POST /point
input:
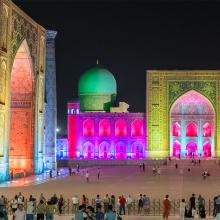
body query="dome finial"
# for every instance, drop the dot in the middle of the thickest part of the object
(97, 61)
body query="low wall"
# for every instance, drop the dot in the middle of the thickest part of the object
(72, 163)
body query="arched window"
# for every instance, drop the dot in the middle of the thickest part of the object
(88, 127)
(88, 150)
(176, 148)
(137, 128)
(207, 149)
(207, 130)
(176, 129)
(120, 128)
(191, 130)
(191, 149)
(104, 128)
(120, 150)
(104, 150)
(137, 150)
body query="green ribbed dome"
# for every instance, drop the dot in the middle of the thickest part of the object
(97, 80)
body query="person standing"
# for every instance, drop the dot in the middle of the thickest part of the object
(192, 202)
(166, 207)
(60, 204)
(41, 210)
(87, 176)
(129, 202)
(106, 201)
(122, 202)
(80, 213)
(19, 213)
(49, 209)
(140, 204)
(3, 212)
(99, 214)
(112, 201)
(201, 203)
(70, 171)
(30, 210)
(14, 204)
(98, 202)
(98, 175)
(182, 209)
(75, 202)
(216, 211)
(143, 167)
(110, 215)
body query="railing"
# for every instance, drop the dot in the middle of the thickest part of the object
(155, 208)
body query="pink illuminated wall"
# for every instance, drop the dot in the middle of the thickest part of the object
(207, 130)
(120, 128)
(176, 129)
(176, 148)
(137, 128)
(120, 149)
(88, 127)
(88, 150)
(104, 150)
(21, 115)
(191, 130)
(137, 150)
(104, 128)
(191, 148)
(207, 149)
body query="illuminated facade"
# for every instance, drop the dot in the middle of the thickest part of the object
(182, 120)
(183, 113)
(22, 86)
(96, 130)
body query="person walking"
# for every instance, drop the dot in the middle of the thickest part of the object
(166, 207)
(19, 213)
(146, 204)
(182, 209)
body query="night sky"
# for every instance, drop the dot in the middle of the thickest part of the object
(128, 37)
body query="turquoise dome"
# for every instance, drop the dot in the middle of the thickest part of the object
(97, 80)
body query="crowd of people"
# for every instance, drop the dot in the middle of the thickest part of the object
(100, 208)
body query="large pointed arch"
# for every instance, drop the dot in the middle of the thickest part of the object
(191, 109)
(21, 144)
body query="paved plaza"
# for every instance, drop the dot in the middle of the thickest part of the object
(127, 180)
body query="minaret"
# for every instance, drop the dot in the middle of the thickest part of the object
(51, 102)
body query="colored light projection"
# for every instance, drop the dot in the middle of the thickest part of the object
(21, 115)
(191, 119)
(105, 135)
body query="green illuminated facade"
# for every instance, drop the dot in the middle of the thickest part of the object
(163, 89)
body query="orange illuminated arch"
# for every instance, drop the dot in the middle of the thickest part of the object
(22, 112)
